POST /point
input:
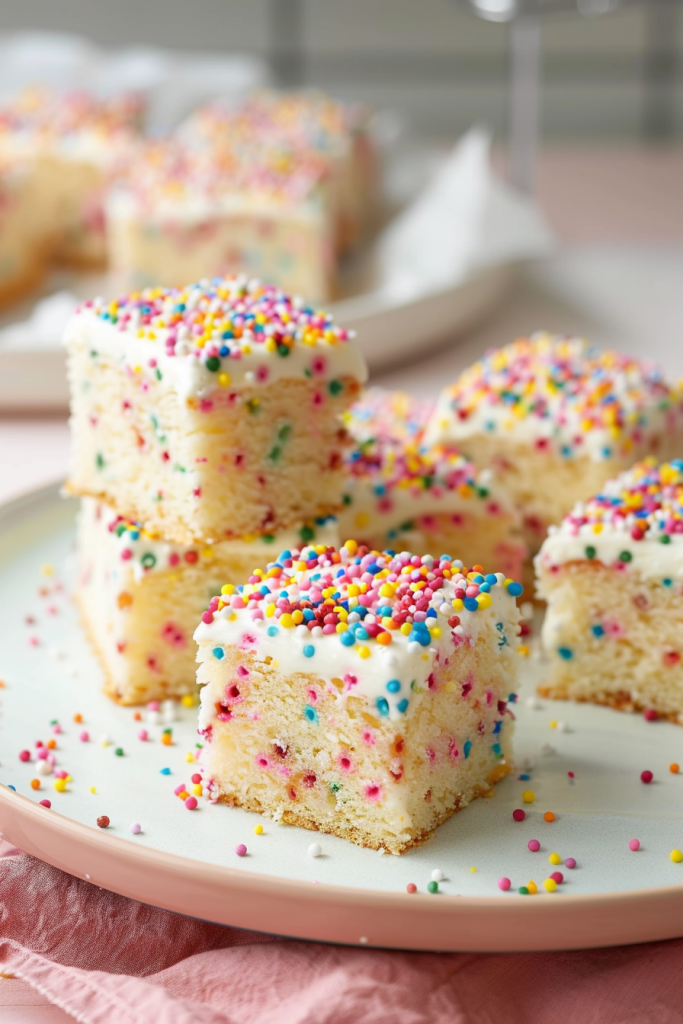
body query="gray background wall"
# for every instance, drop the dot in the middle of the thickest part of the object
(615, 77)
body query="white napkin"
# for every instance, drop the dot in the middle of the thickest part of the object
(462, 220)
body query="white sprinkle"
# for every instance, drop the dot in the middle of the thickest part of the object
(87, 876)
(153, 717)
(44, 768)
(314, 850)
(169, 709)
(381, 851)
(104, 740)
(533, 703)
(135, 828)
(363, 939)
(437, 875)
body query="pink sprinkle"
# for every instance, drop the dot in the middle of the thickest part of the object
(411, 887)
(241, 850)
(24, 755)
(646, 777)
(570, 774)
(56, 728)
(45, 803)
(191, 803)
(84, 736)
(558, 877)
(153, 705)
(178, 790)
(143, 735)
(504, 884)
(519, 814)
(570, 863)
(207, 617)
(634, 844)
(534, 845)
(650, 715)
(135, 828)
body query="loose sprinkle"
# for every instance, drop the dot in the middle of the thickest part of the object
(570, 863)
(528, 796)
(191, 803)
(411, 887)
(550, 885)
(103, 821)
(241, 850)
(558, 877)
(504, 884)
(437, 875)
(555, 858)
(135, 828)
(432, 887)
(674, 768)
(519, 814)
(549, 816)
(534, 845)
(258, 830)
(646, 777)
(315, 850)
(676, 856)
(634, 844)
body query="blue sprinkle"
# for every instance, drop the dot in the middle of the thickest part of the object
(403, 705)
(347, 638)
(497, 749)
(467, 748)
(165, 771)
(497, 727)
(218, 653)
(470, 604)
(512, 698)
(598, 630)
(431, 614)
(309, 651)
(393, 686)
(484, 587)
(566, 653)
(273, 631)
(515, 589)
(311, 714)
(667, 582)
(491, 579)
(308, 614)
(524, 777)
(420, 635)
(360, 632)
(224, 350)
(383, 706)
(14, 788)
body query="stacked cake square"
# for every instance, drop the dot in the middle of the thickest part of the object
(206, 427)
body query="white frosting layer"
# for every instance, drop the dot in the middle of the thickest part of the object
(404, 660)
(185, 374)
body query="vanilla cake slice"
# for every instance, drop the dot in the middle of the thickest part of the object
(612, 574)
(211, 411)
(140, 596)
(403, 494)
(555, 418)
(358, 693)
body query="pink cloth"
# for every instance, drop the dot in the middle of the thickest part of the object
(108, 960)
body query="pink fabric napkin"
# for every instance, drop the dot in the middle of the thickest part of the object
(109, 960)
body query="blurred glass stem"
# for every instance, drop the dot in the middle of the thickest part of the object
(525, 46)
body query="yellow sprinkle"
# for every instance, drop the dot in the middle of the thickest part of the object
(472, 870)
(676, 856)
(364, 652)
(435, 632)
(93, 789)
(224, 380)
(197, 789)
(258, 830)
(208, 553)
(351, 546)
(227, 588)
(458, 604)
(555, 858)
(553, 724)
(523, 650)
(484, 601)
(286, 621)
(550, 885)
(406, 629)
(189, 757)
(187, 701)
(528, 796)
(60, 785)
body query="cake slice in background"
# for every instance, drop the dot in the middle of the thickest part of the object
(184, 212)
(210, 412)
(140, 596)
(298, 122)
(612, 575)
(357, 693)
(23, 253)
(403, 494)
(555, 419)
(75, 144)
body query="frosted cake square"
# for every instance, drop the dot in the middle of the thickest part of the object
(184, 213)
(612, 574)
(555, 418)
(358, 693)
(211, 411)
(308, 120)
(403, 494)
(75, 144)
(140, 596)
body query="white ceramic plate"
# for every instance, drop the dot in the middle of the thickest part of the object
(185, 860)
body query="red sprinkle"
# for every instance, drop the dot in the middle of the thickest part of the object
(45, 803)
(24, 755)
(519, 814)
(411, 887)
(191, 803)
(646, 777)
(103, 821)
(558, 876)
